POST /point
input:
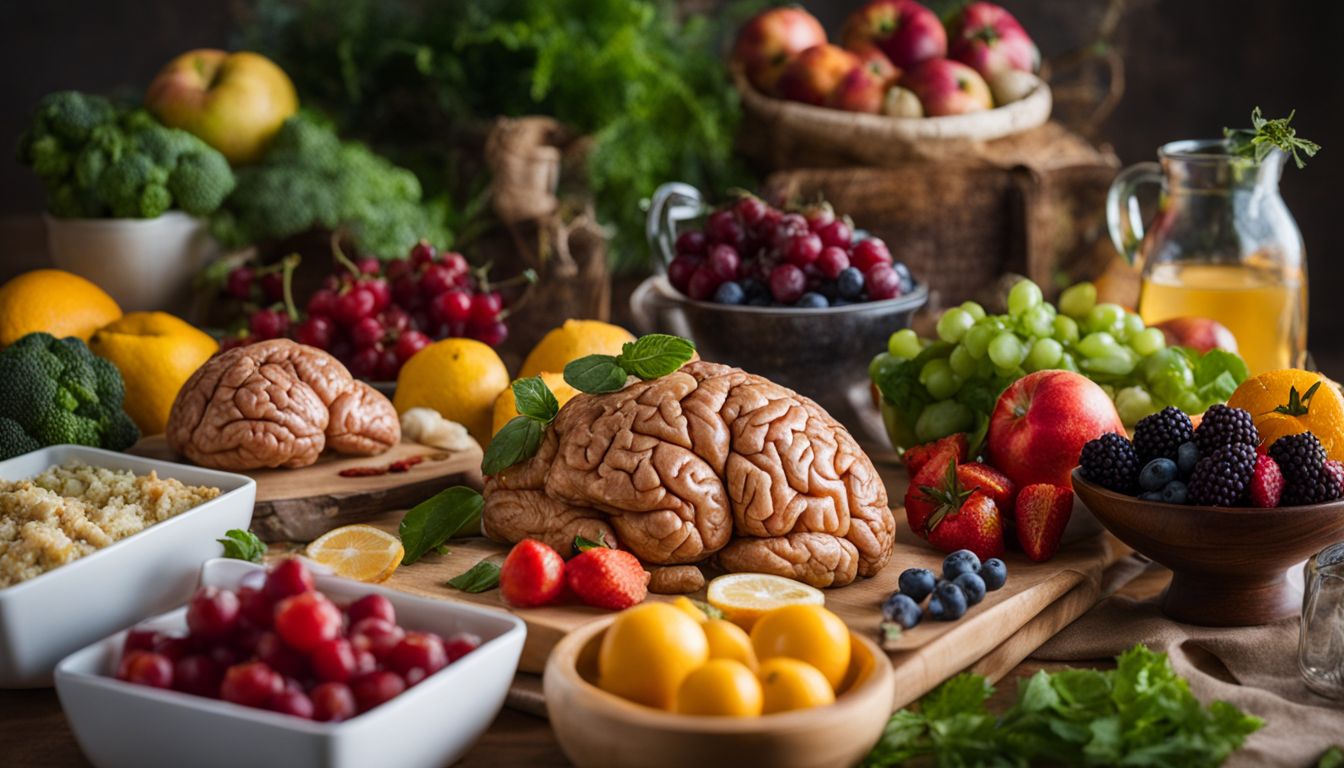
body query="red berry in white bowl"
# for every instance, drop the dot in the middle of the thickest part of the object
(146, 668)
(376, 688)
(305, 620)
(212, 613)
(460, 644)
(292, 702)
(371, 606)
(251, 684)
(199, 675)
(278, 655)
(287, 578)
(378, 636)
(420, 651)
(333, 702)
(334, 660)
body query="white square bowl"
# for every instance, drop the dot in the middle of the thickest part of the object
(45, 618)
(432, 724)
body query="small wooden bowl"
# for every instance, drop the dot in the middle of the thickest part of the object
(1229, 564)
(596, 728)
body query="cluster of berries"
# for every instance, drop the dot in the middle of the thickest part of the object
(965, 581)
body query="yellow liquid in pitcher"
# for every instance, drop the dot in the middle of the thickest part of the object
(1263, 310)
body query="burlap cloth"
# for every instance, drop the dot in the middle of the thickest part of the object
(1254, 668)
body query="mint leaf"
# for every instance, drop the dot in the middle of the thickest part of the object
(480, 577)
(516, 442)
(243, 545)
(436, 519)
(596, 374)
(535, 400)
(655, 355)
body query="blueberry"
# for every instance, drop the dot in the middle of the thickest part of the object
(901, 609)
(841, 303)
(936, 608)
(849, 283)
(754, 289)
(758, 301)
(907, 279)
(972, 586)
(959, 562)
(812, 300)
(1187, 455)
(1156, 474)
(729, 293)
(916, 583)
(948, 603)
(1174, 492)
(994, 573)
(1151, 496)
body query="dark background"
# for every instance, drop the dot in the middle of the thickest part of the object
(1191, 67)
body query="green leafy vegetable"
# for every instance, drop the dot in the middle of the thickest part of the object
(535, 400)
(481, 577)
(437, 519)
(243, 545)
(517, 441)
(1139, 714)
(1264, 136)
(596, 374)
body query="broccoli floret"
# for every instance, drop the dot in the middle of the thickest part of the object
(48, 159)
(108, 384)
(155, 200)
(200, 182)
(119, 432)
(14, 441)
(123, 182)
(71, 116)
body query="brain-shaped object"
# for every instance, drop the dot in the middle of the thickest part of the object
(277, 404)
(708, 462)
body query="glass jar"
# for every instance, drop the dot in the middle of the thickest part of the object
(1320, 647)
(1222, 245)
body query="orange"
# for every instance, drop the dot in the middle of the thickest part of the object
(569, 342)
(687, 606)
(729, 641)
(745, 597)
(722, 688)
(807, 633)
(506, 407)
(459, 378)
(1291, 401)
(648, 651)
(156, 354)
(359, 552)
(792, 684)
(53, 301)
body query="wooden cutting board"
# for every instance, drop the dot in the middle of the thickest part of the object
(302, 504)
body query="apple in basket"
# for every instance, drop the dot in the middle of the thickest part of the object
(987, 38)
(767, 43)
(814, 74)
(861, 90)
(947, 87)
(904, 30)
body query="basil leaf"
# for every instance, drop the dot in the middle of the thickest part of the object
(655, 355)
(243, 545)
(436, 519)
(482, 576)
(596, 374)
(516, 442)
(582, 544)
(535, 400)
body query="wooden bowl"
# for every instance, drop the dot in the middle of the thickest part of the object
(596, 728)
(1229, 564)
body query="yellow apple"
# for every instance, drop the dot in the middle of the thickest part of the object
(234, 101)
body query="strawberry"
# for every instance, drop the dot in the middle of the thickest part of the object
(982, 477)
(533, 574)
(1042, 512)
(975, 525)
(929, 488)
(919, 455)
(607, 578)
(1266, 482)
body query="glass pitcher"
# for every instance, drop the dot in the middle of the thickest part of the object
(1222, 245)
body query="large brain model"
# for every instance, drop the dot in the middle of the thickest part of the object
(708, 462)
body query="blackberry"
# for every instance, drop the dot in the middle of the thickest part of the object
(1160, 435)
(1302, 460)
(1111, 462)
(1222, 426)
(1223, 477)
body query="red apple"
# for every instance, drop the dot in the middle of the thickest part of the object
(767, 42)
(947, 87)
(1198, 333)
(989, 40)
(861, 90)
(904, 30)
(815, 73)
(877, 62)
(1042, 421)
(235, 102)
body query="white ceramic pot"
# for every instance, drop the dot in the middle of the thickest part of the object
(145, 264)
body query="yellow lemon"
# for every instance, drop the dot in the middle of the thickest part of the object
(792, 684)
(569, 342)
(687, 606)
(745, 597)
(722, 688)
(156, 354)
(807, 633)
(459, 378)
(506, 407)
(646, 653)
(1275, 401)
(729, 641)
(359, 552)
(53, 301)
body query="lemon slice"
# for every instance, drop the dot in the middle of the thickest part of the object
(745, 597)
(359, 552)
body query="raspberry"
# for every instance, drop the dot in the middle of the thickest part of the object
(1223, 426)
(1221, 478)
(1302, 459)
(1111, 462)
(1160, 435)
(1266, 482)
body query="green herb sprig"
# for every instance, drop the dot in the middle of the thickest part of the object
(479, 578)
(648, 357)
(243, 545)
(519, 439)
(1265, 135)
(440, 517)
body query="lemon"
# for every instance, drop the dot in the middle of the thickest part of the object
(744, 597)
(792, 684)
(687, 606)
(359, 552)
(1268, 398)
(729, 641)
(646, 653)
(506, 407)
(571, 341)
(722, 688)
(53, 301)
(459, 378)
(156, 354)
(807, 633)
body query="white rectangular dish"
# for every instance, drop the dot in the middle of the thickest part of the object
(47, 617)
(432, 724)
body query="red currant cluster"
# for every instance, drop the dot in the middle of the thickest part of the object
(284, 646)
(749, 252)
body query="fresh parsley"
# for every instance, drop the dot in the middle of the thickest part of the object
(1264, 136)
(436, 519)
(243, 545)
(479, 578)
